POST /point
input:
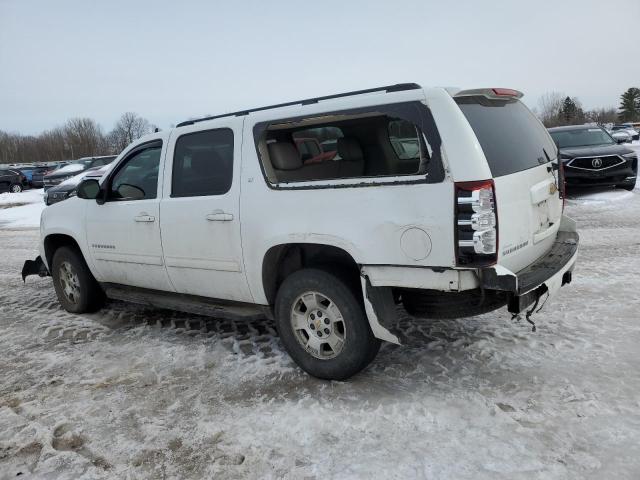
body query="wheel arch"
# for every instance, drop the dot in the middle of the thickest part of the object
(54, 241)
(283, 259)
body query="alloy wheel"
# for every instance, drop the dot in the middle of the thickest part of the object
(69, 282)
(318, 325)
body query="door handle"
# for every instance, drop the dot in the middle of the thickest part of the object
(220, 217)
(145, 218)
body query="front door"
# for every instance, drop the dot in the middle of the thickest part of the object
(123, 234)
(199, 212)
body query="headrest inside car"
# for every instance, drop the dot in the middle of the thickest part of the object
(284, 156)
(349, 149)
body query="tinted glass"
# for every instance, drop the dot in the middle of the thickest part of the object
(203, 164)
(583, 137)
(138, 178)
(511, 137)
(404, 139)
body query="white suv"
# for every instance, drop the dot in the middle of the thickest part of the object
(326, 214)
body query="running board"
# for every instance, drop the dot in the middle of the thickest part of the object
(186, 303)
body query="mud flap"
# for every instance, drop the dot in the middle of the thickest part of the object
(380, 309)
(34, 267)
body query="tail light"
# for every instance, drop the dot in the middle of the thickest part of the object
(476, 223)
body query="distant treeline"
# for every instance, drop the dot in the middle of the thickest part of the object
(83, 137)
(79, 137)
(556, 109)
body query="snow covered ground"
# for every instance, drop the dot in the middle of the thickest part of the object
(21, 209)
(133, 392)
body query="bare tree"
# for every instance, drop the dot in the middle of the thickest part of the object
(130, 127)
(83, 138)
(602, 116)
(550, 105)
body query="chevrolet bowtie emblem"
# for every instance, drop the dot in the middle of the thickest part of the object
(552, 188)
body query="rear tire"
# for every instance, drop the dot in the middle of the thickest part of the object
(76, 288)
(15, 188)
(323, 325)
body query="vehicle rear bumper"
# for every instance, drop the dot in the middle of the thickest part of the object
(545, 275)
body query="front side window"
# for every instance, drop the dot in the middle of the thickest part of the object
(203, 163)
(137, 179)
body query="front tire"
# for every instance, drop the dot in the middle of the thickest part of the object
(323, 325)
(15, 188)
(76, 288)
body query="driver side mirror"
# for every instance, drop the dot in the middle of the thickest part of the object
(88, 189)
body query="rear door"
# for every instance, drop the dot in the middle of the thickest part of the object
(200, 217)
(519, 150)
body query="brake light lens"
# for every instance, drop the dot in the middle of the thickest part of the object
(476, 223)
(506, 92)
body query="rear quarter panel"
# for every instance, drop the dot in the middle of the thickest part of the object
(368, 222)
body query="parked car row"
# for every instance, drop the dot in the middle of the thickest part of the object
(16, 177)
(74, 168)
(68, 187)
(624, 133)
(12, 180)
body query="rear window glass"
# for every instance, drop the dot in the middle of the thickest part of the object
(511, 137)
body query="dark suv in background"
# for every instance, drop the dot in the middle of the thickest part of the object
(591, 157)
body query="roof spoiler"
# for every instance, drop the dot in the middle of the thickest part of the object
(492, 93)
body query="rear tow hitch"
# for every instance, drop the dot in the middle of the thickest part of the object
(34, 267)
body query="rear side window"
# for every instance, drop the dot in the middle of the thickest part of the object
(203, 163)
(511, 137)
(375, 145)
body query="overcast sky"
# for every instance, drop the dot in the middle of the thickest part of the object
(170, 60)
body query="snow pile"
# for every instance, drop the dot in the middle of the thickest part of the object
(21, 210)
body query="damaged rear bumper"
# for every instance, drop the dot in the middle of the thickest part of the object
(34, 267)
(545, 275)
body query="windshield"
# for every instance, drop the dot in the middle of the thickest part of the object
(582, 137)
(512, 138)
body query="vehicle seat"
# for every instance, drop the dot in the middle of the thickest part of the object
(352, 163)
(288, 165)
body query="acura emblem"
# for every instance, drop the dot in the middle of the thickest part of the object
(596, 162)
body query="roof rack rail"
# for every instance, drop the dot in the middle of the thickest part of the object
(398, 87)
